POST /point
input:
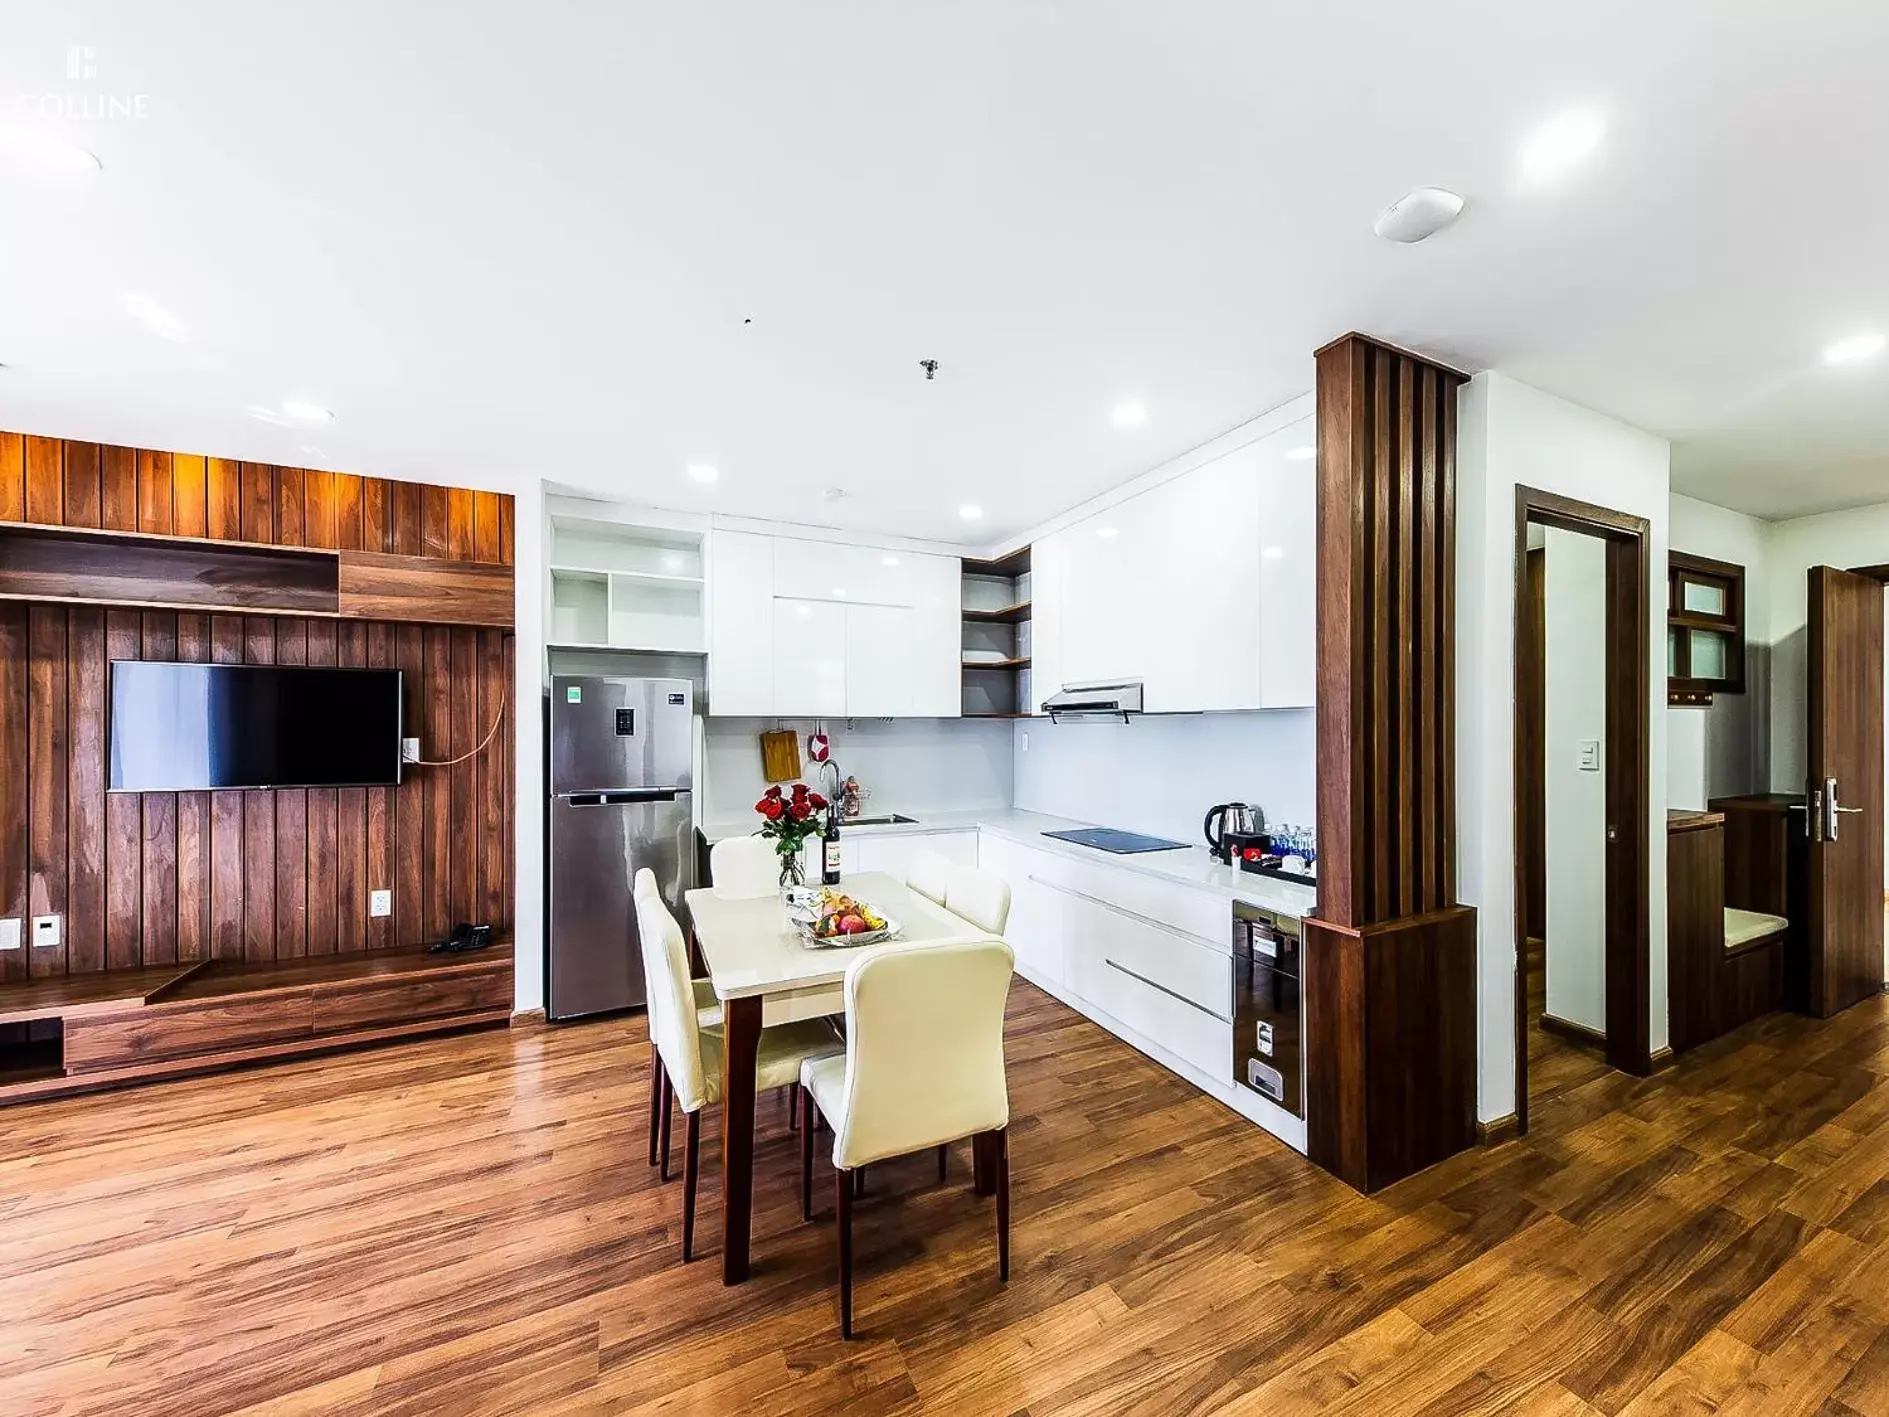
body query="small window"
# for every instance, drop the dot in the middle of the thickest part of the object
(1705, 635)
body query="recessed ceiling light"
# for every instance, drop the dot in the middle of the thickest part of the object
(1418, 214)
(1303, 453)
(1128, 415)
(42, 150)
(1561, 143)
(970, 511)
(155, 318)
(703, 472)
(302, 411)
(1855, 349)
(889, 561)
(1107, 533)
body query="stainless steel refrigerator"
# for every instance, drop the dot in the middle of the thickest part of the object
(621, 786)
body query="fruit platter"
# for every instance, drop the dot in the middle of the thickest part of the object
(828, 918)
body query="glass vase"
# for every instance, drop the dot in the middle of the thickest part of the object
(793, 868)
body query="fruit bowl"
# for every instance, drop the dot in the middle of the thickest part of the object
(829, 918)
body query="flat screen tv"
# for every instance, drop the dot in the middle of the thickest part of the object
(188, 727)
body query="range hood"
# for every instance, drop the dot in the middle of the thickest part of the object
(1078, 702)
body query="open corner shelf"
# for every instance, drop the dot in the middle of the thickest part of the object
(1006, 615)
(996, 664)
(996, 638)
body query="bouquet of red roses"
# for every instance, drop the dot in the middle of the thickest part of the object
(790, 820)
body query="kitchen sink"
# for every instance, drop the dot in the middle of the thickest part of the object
(894, 820)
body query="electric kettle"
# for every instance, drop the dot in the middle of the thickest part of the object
(1231, 819)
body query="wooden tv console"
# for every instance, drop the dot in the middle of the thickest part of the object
(75, 1033)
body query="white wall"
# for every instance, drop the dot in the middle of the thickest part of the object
(1574, 654)
(909, 765)
(1508, 435)
(1161, 772)
(1725, 749)
(530, 537)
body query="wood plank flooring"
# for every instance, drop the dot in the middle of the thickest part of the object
(467, 1226)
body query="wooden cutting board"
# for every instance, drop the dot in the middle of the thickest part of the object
(780, 756)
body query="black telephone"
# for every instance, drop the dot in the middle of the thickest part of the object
(464, 937)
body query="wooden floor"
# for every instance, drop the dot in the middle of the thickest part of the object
(466, 1226)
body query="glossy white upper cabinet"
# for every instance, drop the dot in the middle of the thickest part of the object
(740, 624)
(1202, 587)
(810, 653)
(819, 629)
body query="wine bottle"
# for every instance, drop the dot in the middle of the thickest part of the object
(830, 842)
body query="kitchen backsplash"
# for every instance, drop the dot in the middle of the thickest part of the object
(1161, 772)
(908, 765)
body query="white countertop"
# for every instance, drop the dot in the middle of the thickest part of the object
(1193, 866)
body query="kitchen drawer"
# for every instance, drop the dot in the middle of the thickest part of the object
(1177, 1026)
(161, 1031)
(1205, 916)
(1103, 942)
(379, 1003)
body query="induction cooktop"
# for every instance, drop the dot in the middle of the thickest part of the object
(1118, 843)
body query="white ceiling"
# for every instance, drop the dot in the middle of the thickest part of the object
(509, 240)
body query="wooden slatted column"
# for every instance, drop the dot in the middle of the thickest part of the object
(1389, 960)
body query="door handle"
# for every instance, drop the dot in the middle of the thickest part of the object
(1832, 808)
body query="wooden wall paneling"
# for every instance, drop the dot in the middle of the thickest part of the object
(258, 485)
(15, 777)
(156, 504)
(193, 822)
(228, 838)
(1380, 571)
(118, 488)
(292, 885)
(379, 870)
(462, 785)
(124, 829)
(461, 534)
(436, 783)
(323, 865)
(507, 508)
(436, 517)
(12, 477)
(485, 527)
(408, 807)
(373, 586)
(376, 515)
(494, 776)
(223, 499)
(405, 517)
(350, 815)
(45, 481)
(1431, 636)
(46, 768)
(82, 494)
(190, 495)
(87, 808)
(159, 941)
(347, 512)
(1341, 654)
(259, 846)
(318, 509)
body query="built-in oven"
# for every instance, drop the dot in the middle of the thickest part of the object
(1268, 1050)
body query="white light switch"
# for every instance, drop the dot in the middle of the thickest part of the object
(409, 750)
(380, 903)
(45, 932)
(10, 933)
(1590, 755)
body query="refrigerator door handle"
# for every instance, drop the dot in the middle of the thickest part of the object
(625, 797)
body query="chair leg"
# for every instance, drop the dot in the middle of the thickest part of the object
(983, 1177)
(1001, 1158)
(843, 1217)
(942, 1153)
(668, 1106)
(691, 1172)
(806, 1154)
(655, 1100)
(859, 1181)
(792, 1095)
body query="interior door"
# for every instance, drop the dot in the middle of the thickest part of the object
(1845, 788)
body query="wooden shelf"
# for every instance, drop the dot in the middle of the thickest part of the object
(1004, 568)
(999, 664)
(67, 995)
(1009, 615)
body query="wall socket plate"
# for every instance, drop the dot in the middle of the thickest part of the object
(380, 904)
(409, 750)
(46, 932)
(10, 933)
(1590, 755)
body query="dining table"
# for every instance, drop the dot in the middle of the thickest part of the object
(754, 957)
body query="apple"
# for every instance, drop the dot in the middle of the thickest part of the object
(852, 925)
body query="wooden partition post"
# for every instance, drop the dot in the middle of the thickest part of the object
(1390, 957)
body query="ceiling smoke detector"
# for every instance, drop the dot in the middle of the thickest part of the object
(1418, 214)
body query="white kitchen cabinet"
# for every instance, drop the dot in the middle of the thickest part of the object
(741, 624)
(937, 635)
(880, 661)
(894, 855)
(1035, 928)
(809, 659)
(1288, 571)
(1048, 614)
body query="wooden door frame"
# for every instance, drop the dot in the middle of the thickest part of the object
(1628, 988)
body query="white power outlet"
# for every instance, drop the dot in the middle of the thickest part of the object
(409, 750)
(380, 903)
(46, 932)
(10, 933)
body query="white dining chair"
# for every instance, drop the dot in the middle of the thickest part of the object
(692, 1055)
(930, 876)
(707, 1015)
(979, 897)
(923, 1067)
(744, 868)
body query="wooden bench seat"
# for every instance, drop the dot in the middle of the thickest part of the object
(1747, 929)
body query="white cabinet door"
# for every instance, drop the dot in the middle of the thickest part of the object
(1288, 574)
(741, 624)
(1047, 616)
(936, 584)
(809, 658)
(1035, 928)
(878, 666)
(894, 854)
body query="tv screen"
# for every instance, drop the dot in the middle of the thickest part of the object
(186, 727)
